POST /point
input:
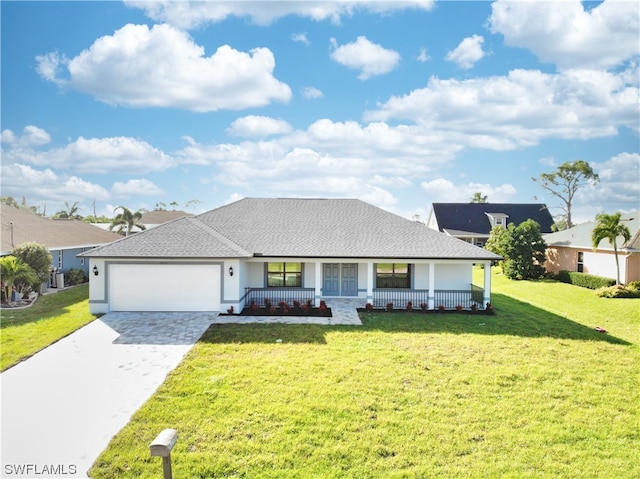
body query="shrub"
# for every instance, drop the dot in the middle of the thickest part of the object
(409, 306)
(618, 292)
(38, 257)
(75, 276)
(634, 286)
(369, 307)
(585, 280)
(423, 306)
(389, 306)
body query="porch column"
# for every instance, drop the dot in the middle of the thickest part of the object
(487, 282)
(370, 282)
(318, 292)
(432, 281)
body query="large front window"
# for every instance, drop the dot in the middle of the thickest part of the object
(393, 275)
(284, 274)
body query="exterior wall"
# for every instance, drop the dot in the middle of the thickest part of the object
(562, 259)
(453, 276)
(308, 275)
(598, 263)
(633, 268)
(421, 276)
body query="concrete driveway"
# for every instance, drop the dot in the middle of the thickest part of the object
(61, 407)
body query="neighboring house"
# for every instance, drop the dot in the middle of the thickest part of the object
(151, 219)
(64, 238)
(286, 249)
(472, 222)
(572, 250)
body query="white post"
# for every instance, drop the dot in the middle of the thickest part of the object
(432, 281)
(487, 282)
(318, 293)
(370, 282)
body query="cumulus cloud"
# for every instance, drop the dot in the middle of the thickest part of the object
(423, 56)
(258, 126)
(568, 35)
(520, 109)
(22, 180)
(163, 67)
(96, 155)
(32, 136)
(443, 190)
(136, 187)
(368, 57)
(619, 180)
(468, 52)
(301, 38)
(192, 14)
(310, 92)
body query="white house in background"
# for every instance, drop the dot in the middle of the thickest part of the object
(286, 249)
(572, 250)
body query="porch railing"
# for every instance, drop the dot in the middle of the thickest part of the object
(275, 295)
(449, 298)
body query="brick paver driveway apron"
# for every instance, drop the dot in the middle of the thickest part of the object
(61, 407)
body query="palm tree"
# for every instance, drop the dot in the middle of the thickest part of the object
(609, 227)
(13, 269)
(126, 220)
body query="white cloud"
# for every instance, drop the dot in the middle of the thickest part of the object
(163, 67)
(301, 38)
(566, 34)
(136, 187)
(368, 57)
(443, 190)
(619, 180)
(468, 52)
(96, 155)
(423, 56)
(310, 92)
(50, 65)
(192, 14)
(32, 136)
(258, 126)
(45, 185)
(520, 109)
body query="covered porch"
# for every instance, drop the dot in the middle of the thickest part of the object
(426, 284)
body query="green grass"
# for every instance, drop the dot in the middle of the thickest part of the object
(532, 392)
(24, 332)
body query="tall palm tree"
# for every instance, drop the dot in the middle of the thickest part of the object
(126, 220)
(13, 269)
(609, 227)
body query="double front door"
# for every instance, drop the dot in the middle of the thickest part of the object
(340, 279)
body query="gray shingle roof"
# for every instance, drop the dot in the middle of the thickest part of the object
(288, 227)
(20, 226)
(580, 235)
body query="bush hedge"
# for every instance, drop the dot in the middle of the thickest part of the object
(585, 280)
(618, 292)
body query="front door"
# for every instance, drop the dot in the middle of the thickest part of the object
(340, 279)
(331, 281)
(349, 284)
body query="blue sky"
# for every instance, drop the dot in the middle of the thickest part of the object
(400, 104)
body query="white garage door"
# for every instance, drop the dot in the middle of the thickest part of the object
(164, 287)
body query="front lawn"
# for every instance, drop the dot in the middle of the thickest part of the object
(24, 332)
(533, 391)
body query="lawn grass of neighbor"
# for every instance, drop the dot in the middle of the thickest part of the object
(531, 392)
(24, 332)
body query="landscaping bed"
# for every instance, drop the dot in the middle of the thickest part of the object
(285, 309)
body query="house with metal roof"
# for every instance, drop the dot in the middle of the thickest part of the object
(572, 250)
(65, 238)
(284, 250)
(472, 222)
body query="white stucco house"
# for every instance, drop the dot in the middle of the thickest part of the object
(285, 249)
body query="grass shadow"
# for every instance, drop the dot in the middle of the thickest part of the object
(45, 307)
(266, 333)
(512, 318)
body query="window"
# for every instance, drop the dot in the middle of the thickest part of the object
(499, 222)
(580, 262)
(393, 275)
(284, 274)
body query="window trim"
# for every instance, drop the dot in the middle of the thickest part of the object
(394, 275)
(284, 274)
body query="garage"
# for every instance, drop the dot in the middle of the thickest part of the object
(164, 287)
